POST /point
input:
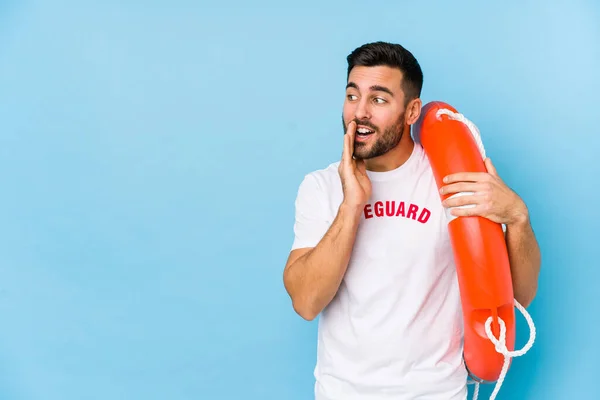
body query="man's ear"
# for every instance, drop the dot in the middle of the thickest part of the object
(413, 111)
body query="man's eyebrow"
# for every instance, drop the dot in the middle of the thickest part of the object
(376, 88)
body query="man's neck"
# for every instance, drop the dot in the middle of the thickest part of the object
(393, 158)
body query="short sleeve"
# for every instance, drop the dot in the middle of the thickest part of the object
(311, 222)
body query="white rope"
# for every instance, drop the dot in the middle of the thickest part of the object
(501, 348)
(499, 342)
(476, 391)
(470, 125)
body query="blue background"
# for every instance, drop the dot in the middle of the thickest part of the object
(150, 154)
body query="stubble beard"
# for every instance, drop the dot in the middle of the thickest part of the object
(383, 143)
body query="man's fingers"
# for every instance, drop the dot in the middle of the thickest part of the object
(349, 143)
(490, 167)
(467, 199)
(461, 187)
(475, 210)
(466, 177)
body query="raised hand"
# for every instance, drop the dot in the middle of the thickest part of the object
(355, 182)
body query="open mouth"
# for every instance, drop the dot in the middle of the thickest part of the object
(364, 133)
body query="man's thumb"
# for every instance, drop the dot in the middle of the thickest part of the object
(490, 167)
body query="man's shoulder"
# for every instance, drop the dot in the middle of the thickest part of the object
(326, 172)
(324, 183)
(325, 177)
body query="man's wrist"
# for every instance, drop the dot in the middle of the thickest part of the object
(520, 218)
(351, 209)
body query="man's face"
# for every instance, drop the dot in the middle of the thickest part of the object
(375, 101)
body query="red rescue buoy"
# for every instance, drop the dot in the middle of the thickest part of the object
(479, 245)
(452, 144)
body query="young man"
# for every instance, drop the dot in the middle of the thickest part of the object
(372, 254)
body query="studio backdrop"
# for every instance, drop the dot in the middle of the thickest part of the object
(150, 154)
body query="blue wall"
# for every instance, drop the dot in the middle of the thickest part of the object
(150, 154)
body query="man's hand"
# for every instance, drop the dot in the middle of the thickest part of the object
(355, 182)
(490, 197)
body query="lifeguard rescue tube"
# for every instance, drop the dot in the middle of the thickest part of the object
(479, 247)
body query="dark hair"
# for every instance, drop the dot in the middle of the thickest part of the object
(391, 55)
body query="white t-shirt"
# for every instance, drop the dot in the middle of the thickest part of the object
(394, 328)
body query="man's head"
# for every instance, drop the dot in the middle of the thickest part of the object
(382, 96)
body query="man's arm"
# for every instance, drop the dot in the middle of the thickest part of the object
(312, 276)
(525, 259)
(316, 266)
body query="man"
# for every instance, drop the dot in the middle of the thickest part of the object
(371, 251)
